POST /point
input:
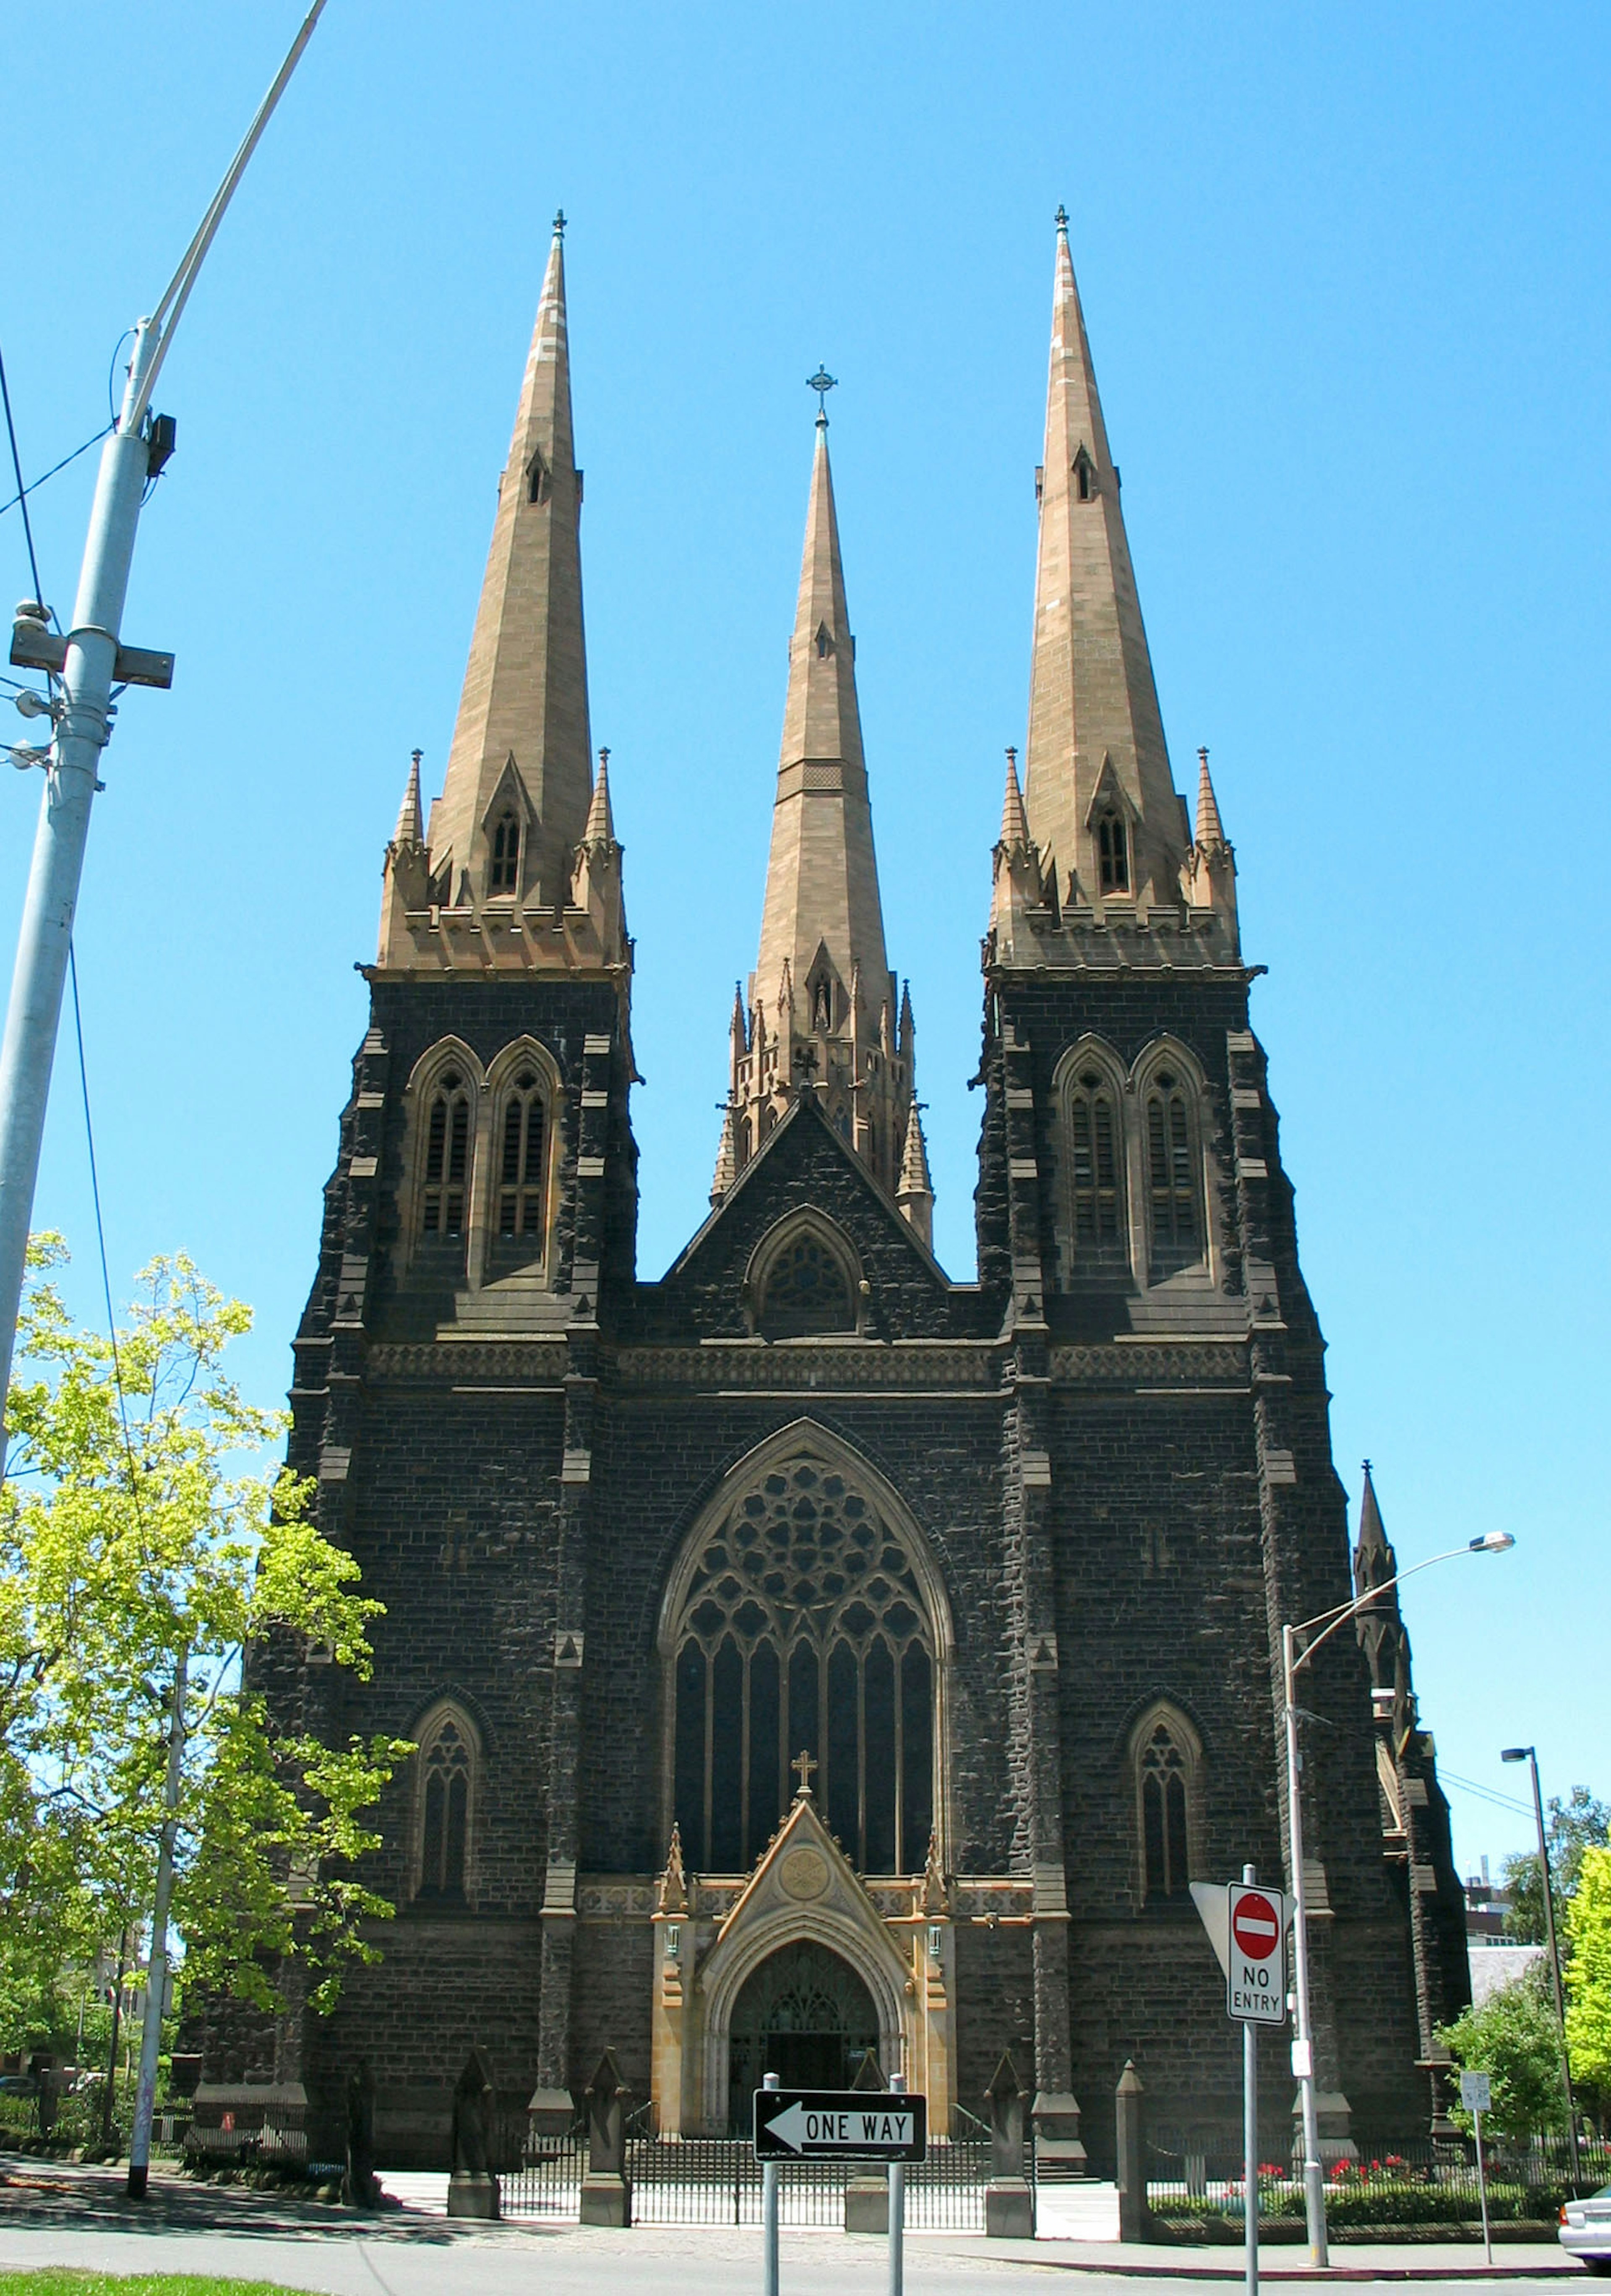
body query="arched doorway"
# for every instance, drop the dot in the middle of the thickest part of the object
(803, 2014)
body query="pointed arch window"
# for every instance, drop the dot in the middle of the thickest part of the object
(505, 874)
(805, 1289)
(1168, 1761)
(536, 479)
(1173, 1192)
(804, 1627)
(1095, 1167)
(1113, 853)
(446, 1767)
(447, 1156)
(744, 1142)
(824, 642)
(1085, 478)
(523, 1162)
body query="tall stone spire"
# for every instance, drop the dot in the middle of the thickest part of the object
(1096, 761)
(517, 867)
(823, 998)
(521, 744)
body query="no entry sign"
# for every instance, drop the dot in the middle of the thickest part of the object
(1256, 1972)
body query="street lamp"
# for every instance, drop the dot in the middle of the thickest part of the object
(1529, 1754)
(1494, 1542)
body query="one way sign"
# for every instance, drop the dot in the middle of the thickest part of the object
(820, 2124)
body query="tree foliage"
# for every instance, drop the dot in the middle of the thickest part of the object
(1579, 1823)
(136, 1526)
(1589, 1975)
(1513, 2037)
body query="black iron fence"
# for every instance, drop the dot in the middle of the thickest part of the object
(716, 2180)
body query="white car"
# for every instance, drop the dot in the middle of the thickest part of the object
(1585, 2230)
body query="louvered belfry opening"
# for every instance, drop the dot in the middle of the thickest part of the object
(803, 1629)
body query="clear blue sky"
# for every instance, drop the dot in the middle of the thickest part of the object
(1345, 272)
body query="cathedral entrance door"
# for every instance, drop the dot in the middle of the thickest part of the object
(807, 2016)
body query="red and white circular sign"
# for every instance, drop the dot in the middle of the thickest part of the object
(1254, 1926)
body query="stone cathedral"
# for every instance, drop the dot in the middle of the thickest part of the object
(812, 1657)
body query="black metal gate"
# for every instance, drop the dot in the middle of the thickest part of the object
(716, 2180)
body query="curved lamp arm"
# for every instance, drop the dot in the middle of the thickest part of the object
(1492, 1542)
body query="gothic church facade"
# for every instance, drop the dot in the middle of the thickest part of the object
(810, 1654)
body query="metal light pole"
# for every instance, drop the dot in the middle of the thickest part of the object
(87, 664)
(1293, 1659)
(156, 1968)
(1529, 1754)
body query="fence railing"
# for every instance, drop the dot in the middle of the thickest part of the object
(716, 2180)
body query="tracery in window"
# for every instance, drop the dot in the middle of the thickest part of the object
(446, 1767)
(1173, 1198)
(1094, 1164)
(803, 1629)
(1113, 854)
(1167, 1760)
(523, 1161)
(804, 1289)
(505, 874)
(447, 1158)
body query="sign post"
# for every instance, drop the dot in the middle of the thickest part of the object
(769, 2212)
(827, 2124)
(1477, 2095)
(1247, 1927)
(898, 2207)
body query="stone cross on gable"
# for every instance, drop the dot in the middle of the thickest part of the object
(803, 1765)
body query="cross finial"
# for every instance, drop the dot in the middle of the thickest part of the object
(803, 1766)
(416, 755)
(821, 382)
(1062, 219)
(603, 757)
(1012, 756)
(559, 225)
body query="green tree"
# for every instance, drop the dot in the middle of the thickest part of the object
(1589, 1975)
(138, 1523)
(1513, 2037)
(1579, 1823)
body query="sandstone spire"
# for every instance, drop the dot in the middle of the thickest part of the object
(1102, 806)
(520, 749)
(822, 997)
(822, 881)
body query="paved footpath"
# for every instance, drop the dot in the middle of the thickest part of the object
(53, 2213)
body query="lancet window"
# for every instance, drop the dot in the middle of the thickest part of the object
(447, 1774)
(447, 1156)
(1165, 1780)
(803, 1629)
(1175, 1194)
(523, 1162)
(505, 874)
(1095, 1159)
(1113, 854)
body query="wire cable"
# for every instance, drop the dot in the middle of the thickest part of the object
(106, 1281)
(23, 495)
(1484, 1793)
(27, 524)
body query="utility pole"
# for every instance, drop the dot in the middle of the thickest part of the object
(1529, 1754)
(84, 666)
(156, 1967)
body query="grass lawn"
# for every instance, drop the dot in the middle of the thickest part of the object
(60, 2282)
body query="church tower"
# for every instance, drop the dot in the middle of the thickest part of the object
(822, 1007)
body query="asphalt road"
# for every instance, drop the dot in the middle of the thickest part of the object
(54, 2214)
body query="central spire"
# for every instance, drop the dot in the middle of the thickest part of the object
(823, 1006)
(1102, 801)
